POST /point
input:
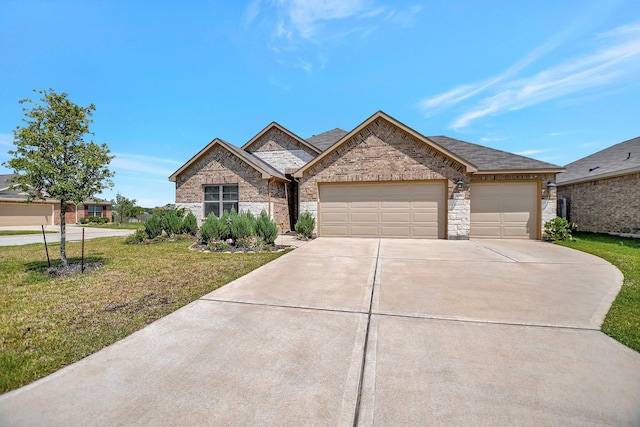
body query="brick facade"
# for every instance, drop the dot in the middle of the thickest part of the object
(219, 166)
(381, 152)
(610, 205)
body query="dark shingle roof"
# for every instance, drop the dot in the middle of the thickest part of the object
(490, 159)
(618, 159)
(326, 139)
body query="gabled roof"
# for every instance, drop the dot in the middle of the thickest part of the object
(469, 167)
(326, 139)
(266, 170)
(284, 130)
(619, 159)
(490, 160)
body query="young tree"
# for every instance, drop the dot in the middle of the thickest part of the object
(125, 208)
(51, 158)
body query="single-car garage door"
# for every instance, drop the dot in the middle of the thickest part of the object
(505, 210)
(405, 210)
(25, 214)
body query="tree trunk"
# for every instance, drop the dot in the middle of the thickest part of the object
(63, 233)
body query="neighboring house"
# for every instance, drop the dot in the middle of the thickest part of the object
(382, 179)
(14, 209)
(601, 192)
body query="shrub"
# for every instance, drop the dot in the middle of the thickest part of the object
(213, 228)
(558, 229)
(242, 226)
(153, 226)
(190, 224)
(137, 237)
(171, 222)
(253, 243)
(227, 219)
(305, 225)
(84, 220)
(266, 228)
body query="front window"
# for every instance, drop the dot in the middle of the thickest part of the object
(220, 198)
(95, 210)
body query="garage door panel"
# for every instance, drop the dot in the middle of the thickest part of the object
(504, 210)
(400, 231)
(357, 230)
(415, 209)
(366, 217)
(401, 217)
(25, 214)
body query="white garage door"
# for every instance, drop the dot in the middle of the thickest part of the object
(406, 210)
(506, 210)
(24, 214)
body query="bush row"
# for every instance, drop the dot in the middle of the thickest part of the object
(94, 220)
(240, 229)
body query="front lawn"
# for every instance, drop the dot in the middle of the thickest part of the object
(623, 320)
(47, 323)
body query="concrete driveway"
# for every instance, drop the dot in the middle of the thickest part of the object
(74, 233)
(368, 332)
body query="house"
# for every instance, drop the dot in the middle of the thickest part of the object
(14, 209)
(601, 192)
(381, 179)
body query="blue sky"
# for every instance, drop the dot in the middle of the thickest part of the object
(553, 80)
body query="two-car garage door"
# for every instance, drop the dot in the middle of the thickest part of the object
(25, 214)
(406, 210)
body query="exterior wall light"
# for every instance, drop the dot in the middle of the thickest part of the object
(550, 186)
(460, 185)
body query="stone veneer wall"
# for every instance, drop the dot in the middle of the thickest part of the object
(219, 166)
(281, 151)
(610, 205)
(384, 152)
(459, 217)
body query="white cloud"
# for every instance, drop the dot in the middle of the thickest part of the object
(310, 25)
(491, 139)
(530, 152)
(617, 60)
(144, 164)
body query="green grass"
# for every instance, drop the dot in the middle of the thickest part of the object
(623, 319)
(47, 323)
(22, 232)
(116, 225)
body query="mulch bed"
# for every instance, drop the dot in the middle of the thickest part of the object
(72, 269)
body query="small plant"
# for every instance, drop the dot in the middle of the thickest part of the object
(172, 222)
(252, 243)
(138, 237)
(213, 228)
(153, 226)
(242, 226)
(219, 247)
(266, 228)
(305, 225)
(190, 224)
(558, 229)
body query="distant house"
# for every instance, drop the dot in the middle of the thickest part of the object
(14, 209)
(601, 192)
(381, 179)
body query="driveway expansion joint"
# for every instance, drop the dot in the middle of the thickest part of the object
(488, 322)
(297, 307)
